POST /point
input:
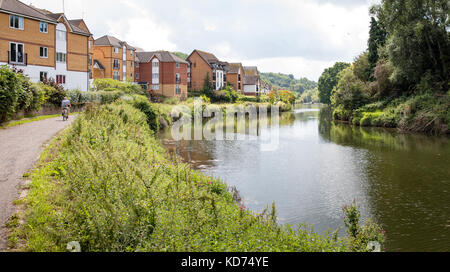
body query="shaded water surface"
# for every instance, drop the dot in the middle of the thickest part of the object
(401, 180)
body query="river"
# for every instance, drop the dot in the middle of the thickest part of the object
(400, 180)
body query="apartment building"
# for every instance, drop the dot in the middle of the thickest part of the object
(203, 64)
(235, 75)
(114, 59)
(44, 45)
(163, 73)
(251, 81)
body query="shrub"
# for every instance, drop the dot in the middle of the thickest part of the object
(54, 92)
(286, 96)
(18, 93)
(9, 84)
(171, 101)
(111, 85)
(143, 104)
(360, 236)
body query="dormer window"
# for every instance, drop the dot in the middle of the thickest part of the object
(16, 22)
(43, 27)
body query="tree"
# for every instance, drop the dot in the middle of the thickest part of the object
(208, 87)
(349, 92)
(418, 40)
(362, 68)
(328, 80)
(377, 39)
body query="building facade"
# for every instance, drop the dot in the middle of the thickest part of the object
(44, 45)
(251, 81)
(235, 76)
(203, 64)
(113, 58)
(162, 73)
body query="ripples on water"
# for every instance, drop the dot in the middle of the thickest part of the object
(401, 180)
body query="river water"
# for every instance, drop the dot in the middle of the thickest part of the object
(400, 180)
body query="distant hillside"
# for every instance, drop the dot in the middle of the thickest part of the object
(181, 55)
(288, 82)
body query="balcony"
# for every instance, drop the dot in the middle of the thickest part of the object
(23, 62)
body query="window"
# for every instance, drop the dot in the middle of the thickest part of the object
(155, 87)
(90, 44)
(155, 64)
(131, 75)
(137, 64)
(137, 75)
(60, 35)
(16, 22)
(116, 75)
(116, 64)
(17, 53)
(178, 78)
(90, 60)
(195, 65)
(61, 57)
(61, 79)
(131, 52)
(43, 76)
(178, 65)
(178, 89)
(43, 27)
(156, 76)
(131, 64)
(43, 52)
(116, 50)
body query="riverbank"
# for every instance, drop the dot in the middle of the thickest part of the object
(108, 184)
(426, 113)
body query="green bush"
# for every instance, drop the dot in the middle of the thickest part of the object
(54, 92)
(143, 104)
(17, 93)
(111, 85)
(9, 84)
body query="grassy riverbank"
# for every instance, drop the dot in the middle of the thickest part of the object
(107, 183)
(427, 113)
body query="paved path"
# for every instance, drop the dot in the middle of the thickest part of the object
(20, 149)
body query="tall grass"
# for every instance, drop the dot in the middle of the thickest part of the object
(108, 184)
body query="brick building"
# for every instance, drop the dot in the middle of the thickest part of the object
(44, 45)
(163, 73)
(204, 64)
(114, 59)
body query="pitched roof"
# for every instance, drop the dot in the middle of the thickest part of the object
(251, 71)
(233, 68)
(163, 56)
(208, 57)
(112, 41)
(76, 25)
(17, 7)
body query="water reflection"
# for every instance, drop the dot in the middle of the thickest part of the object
(400, 179)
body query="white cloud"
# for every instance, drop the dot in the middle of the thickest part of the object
(298, 66)
(289, 36)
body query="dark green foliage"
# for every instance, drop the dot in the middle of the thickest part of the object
(418, 40)
(328, 80)
(208, 87)
(377, 39)
(17, 93)
(141, 103)
(54, 92)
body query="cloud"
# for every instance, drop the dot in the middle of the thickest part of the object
(297, 37)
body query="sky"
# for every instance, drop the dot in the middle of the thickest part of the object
(299, 37)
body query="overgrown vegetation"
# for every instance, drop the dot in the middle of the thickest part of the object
(403, 80)
(108, 184)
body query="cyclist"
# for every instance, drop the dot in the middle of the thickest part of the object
(65, 105)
